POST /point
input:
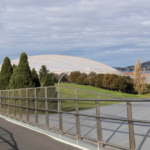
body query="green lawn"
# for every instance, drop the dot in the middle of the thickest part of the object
(70, 93)
(109, 92)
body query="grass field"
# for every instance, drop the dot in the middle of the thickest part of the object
(70, 93)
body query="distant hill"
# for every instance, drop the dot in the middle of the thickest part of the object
(145, 65)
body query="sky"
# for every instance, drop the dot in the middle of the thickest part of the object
(113, 32)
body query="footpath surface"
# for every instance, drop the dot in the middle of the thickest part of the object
(15, 137)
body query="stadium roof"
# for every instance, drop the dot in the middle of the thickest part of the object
(63, 63)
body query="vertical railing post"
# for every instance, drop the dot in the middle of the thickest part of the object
(36, 112)
(131, 127)
(5, 104)
(46, 112)
(60, 113)
(27, 106)
(14, 107)
(20, 109)
(78, 132)
(8, 105)
(99, 127)
(0, 103)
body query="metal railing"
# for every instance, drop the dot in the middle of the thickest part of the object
(20, 102)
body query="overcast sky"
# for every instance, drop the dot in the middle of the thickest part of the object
(114, 32)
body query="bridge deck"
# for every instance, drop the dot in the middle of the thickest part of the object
(15, 137)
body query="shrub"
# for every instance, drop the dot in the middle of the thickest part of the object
(121, 84)
(86, 81)
(92, 80)
(65, 78)
(51, 91)
(104, 82)
(80, 80)
(84, 75)
(92, 74)
(99, 76)
(74, 76)
(110, 83)
(98, 82)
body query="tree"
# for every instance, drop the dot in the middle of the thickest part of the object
(121, 84)
(110, 83)
(92, 80)
(80, 80)
(42, 73)
(86, 81)
(22, 78)
(139, 80)
(35, 78)
(84, 75)
(55, 77)
(92, 73)
(5, 74)
(130, 85)
(14, 67)
(98, 82)
(48, 80)
(51, 92)
(104, 82)
(74, 76)
(65, 78)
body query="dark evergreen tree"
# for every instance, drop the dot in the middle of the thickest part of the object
(14, 67)
(48, 80)
(51, 91)
(5, 74)
(42, 73)
(35, 78)
(21, 77)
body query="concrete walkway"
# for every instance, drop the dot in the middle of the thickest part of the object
(114, 132)
(15, 137)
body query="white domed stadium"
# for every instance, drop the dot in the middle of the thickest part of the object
(62, 63)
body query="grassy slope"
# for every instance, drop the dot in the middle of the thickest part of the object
(69, 93)
(109, 92)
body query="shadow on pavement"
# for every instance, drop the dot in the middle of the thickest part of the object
(6, 138)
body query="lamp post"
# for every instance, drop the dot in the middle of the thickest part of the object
(65, 74)
(59, 83)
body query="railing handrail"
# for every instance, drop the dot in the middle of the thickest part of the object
(82, 99)
(32, 88)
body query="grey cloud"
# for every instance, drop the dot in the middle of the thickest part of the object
(104, 31)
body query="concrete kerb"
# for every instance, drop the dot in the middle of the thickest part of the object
(55, 136)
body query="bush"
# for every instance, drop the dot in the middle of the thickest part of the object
(80, 80)
(130, 85)
(92, 74)
(110, 83)
(51, 91)
(92, 80)
(65, 78)
(74, 76)
(99, 76)
(98, 82)
(84, 75)
(121, 84)
(104, 82)
(86, 81)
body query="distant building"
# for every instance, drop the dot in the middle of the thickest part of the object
(63, 63)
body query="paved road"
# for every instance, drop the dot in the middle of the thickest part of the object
(15, 137)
